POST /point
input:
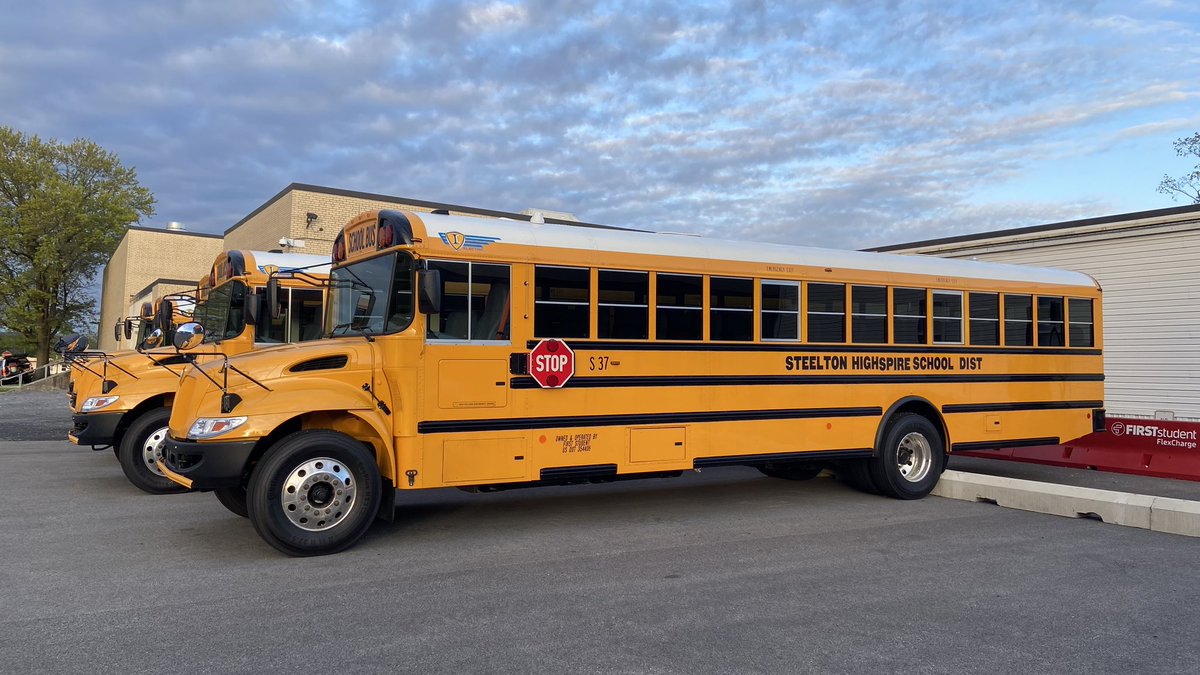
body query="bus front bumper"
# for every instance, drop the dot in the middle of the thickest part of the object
(94, 428)
(205, 466)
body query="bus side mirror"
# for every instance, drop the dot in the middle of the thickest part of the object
(273, 298)
(77, 343)
(429, 291)
(117, 330)
(153, 340)
(252, 309)
(166, 315)
(188, 336)
(128, 329)
(71, 343)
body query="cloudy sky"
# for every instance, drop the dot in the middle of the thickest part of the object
(845, 124)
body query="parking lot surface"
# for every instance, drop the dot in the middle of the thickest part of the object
(724, 571)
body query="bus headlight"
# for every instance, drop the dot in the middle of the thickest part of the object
(207, 427)
(97, 402)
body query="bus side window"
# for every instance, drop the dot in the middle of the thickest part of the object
(562, 297)
(1081, 322)
(623, 304)
(1018, 320)
(826, 312)
(985, 318)
(908, 316)
(304, 315)
(491, 302)
(1050, 322)
(947, 317)
(780, 310)
(453, 322)
(731, 309)
(273, 330)
(868, 317)
(679, 307)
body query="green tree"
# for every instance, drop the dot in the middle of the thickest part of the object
(64, 208)
(1187, 185)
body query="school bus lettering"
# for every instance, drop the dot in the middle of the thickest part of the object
(884, 364)
(360, 240)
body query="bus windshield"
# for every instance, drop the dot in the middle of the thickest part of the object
(222, 312)
(371, 296)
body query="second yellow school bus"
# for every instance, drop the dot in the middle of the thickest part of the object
(488, 354)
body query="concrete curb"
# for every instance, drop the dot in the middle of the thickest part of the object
(1161, 514)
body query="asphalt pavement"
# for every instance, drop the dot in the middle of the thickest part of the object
(714, 572)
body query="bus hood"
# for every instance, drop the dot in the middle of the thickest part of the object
(284, 381)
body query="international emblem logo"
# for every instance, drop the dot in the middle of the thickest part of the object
(470, 242)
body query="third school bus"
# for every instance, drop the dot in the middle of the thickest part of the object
(487, 354)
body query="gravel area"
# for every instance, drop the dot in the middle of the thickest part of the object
(34, 415)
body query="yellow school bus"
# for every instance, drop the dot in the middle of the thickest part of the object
(490, 354)
(124, 400)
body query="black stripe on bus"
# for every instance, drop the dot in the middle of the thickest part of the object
(505, 424)
(1025, 405)
(744, 380)
(808, 348)
(820, 456)
(999, 445)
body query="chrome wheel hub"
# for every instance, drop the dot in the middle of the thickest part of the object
(152, 450)
(914, 457)
(318, 494)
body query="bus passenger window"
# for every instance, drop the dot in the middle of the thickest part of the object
(868, 318)
(947, 317)
(1050, 322)
(1081, 319)
(490, 302)
(273, 330)
(826, 313)
(731, 309)
(985, 318)
(780, 310)
(475, 302)
(1018, 320)
(304, 315)
(908, 316)
(623, 304)
(453, 322)
(562, 299)
(680, 307)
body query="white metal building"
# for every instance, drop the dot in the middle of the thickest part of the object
(1148, 264)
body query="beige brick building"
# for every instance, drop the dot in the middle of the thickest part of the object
(299, 219)
(145, 257)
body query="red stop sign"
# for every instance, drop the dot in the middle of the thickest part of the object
(551, 363)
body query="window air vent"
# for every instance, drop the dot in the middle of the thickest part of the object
(323, 363)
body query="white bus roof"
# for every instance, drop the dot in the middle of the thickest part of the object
(652, 243)
(289, 261)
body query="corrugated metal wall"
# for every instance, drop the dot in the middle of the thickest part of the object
(1151, 280)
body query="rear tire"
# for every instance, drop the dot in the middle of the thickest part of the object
(141, 445)
(909, 462)
(233, 499)
(314, 493)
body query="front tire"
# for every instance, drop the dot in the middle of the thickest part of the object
(314, 493)
(141, 446)
(909, 463)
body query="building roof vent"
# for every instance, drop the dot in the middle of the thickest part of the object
(176, 226)
(535, 214)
